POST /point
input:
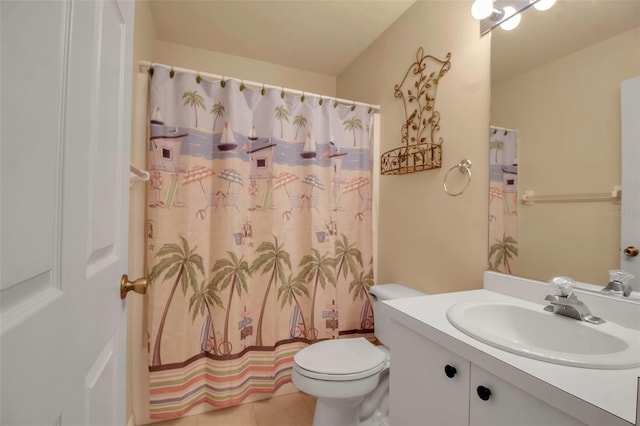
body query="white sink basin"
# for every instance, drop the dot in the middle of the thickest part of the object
(535, 333)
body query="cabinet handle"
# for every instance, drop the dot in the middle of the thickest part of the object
(483, 393)
(450, 371)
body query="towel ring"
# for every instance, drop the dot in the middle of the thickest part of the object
(465, 168)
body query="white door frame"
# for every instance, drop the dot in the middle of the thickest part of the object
(630, 171)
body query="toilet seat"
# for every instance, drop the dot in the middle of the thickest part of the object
(339, 377)
(341, 360)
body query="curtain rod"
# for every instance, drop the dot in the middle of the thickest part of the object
(506, 129)
(145, 65)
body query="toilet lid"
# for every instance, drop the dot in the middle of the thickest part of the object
(343, 356)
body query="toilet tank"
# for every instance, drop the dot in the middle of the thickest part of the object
(381, 317)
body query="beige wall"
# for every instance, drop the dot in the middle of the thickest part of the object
(568, 116)
(143, 41)
(429, 240)
(244, 68)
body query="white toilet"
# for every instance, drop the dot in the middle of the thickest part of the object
(350, 377)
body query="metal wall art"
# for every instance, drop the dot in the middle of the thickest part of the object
(421, 148)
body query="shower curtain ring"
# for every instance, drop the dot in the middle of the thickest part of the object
(465, 168)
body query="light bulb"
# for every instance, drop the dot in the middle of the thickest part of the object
(513, 21)
(481, 9)
(544, 4)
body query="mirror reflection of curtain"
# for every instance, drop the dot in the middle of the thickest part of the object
(503, 200)
(259, 236)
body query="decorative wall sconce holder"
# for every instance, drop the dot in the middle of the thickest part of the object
(421, 148)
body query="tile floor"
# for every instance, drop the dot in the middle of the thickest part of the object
(294, 409)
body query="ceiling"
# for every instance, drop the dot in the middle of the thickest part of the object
(318, 36)
(325, 36)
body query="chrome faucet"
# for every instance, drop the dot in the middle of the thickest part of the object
(619, 283)
(566, 303)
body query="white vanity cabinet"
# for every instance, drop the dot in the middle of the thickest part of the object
(495, 402)
(420, 391)
(431, 385)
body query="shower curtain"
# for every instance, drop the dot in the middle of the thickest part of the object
(503, 200)
(259, 235)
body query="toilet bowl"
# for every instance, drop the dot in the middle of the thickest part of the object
(350, 377)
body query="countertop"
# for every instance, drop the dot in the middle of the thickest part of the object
(610, 392)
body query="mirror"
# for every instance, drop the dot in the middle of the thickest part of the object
(556, 80)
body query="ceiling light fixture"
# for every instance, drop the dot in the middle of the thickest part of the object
(504, 13)
(544, 4)
(511, 19)
(481, 9)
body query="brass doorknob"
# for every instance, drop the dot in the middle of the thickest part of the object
(631, 251)
(139, 286)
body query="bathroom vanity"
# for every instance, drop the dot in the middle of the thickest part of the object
(441, 376)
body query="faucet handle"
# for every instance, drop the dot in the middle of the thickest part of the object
(563, 285)
(619, 282)
(621, 276)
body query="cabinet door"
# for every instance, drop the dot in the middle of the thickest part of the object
(494, 402)
(421, 393)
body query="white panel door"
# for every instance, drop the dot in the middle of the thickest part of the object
(630, 211)
(65, 129)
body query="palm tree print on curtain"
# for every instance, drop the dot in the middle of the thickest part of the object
(359, 287)
(299, 121)
(281, 114)
(503, 201)
(496, 145)
(238, 290)
(501, 251)
(218, 110)
(179, 261)
(353, 124)
(317, 269)
(232, 273)
(193, 99)
(346, 256)
(203, 299)
(272, 259)
(290, 291)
